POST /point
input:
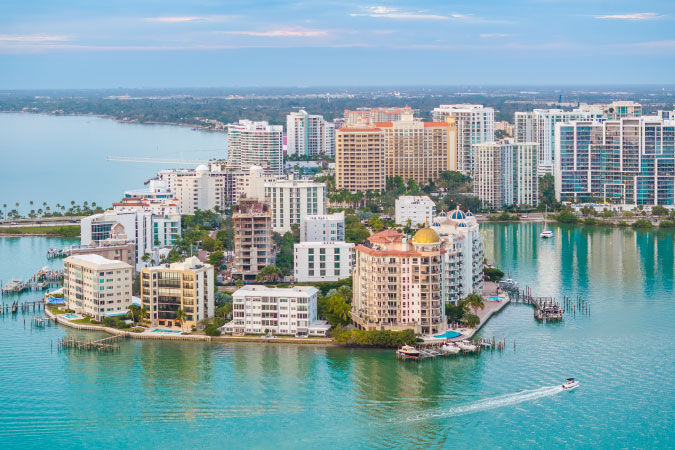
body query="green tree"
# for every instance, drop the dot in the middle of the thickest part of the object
(473, 302)
(659, 210)
(134, 313)
(239, 284)
(492, 274)
(268, 274)
(215, 259)
(454, 313)
(471, 320)
(208, 244)
(547, 190)
(339, 310)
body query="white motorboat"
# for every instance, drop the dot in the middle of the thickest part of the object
(408, 352)
(467, 346)
(450, 349)
(570, 384)
(546, 234)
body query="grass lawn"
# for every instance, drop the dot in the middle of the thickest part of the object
(61, 231)
(86, 320)
(56, 311)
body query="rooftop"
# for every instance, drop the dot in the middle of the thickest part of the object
(276, 292)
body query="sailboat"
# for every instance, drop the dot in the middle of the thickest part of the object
(546, 233)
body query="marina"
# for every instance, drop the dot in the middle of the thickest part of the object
(54, 253)
(41, 280)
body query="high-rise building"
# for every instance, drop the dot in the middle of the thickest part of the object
(255, 144)
(397, 283)
(629, 161)
(506, 173)
(463, 258)
(150, 226)
(112, 249)
(359, 159)
(539, 126)
(367, 116)
(292, 200)
(475, 125)
(309, 135)
(96, 286)
(416, 209)
(287, 311)
(419, 150)
(323, 228)
(187, 285)
(201, 189)
(622, 109)
(252, 222)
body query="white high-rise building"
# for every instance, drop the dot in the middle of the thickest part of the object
(506, 173)
(539, 126)
(287, 311)
(309, 135)
(292, 200)
(322, 261)
(418, 209)
(201, 189)
(149, 226)
(475, 125)
(323, 228)
(255, 144)
(97, 286)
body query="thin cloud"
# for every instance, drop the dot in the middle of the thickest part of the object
(632, 16)
(175, 19)
(494, 35)
(283, 32)
(32, 38)
(383, 12)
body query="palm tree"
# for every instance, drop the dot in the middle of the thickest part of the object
(181, 316)
(4, 206)
(473, 302)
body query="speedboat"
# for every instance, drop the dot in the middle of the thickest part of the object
(467, 346)
(546, 234)
(570, 384)
(450, 349)
(408, 352)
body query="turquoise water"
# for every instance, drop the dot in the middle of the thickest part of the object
(448, 335)
(199, 395)
(42, 155)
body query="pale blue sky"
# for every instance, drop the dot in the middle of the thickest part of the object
(170, 43)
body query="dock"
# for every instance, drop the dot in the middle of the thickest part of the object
(548, 309)
(41, 280)
(105, 345)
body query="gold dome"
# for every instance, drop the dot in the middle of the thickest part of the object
(426, 236)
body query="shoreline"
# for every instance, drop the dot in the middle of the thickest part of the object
(115, 119)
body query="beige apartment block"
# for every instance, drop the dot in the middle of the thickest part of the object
(252, 221)
(113, 249)
(187, 285)
(96, 286)
(359, 159)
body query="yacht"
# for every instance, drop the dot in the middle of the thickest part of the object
(467, 346)
(570, 384)
(408, 352)
(546, 233)
(450, 349)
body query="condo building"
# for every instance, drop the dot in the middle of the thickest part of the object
(359, 159)
(186, 286)
(506, 173)
(416, 209)
(112, 249)
(419, 150)
(309, 135)
(323, 228)
(397, 283)
(150, 226)
(475, 125)
(287, 311)
(253, 249)
(200, 189)
(539, 126)
(322, 261)
(255, 143)
(627, 161)
(366, 116)
(292, 200)
(96, 286)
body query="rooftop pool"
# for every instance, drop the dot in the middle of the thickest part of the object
(159, 330)
(448, 335)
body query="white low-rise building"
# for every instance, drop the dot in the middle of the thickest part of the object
(323, 228)
(96, 286)
(322, 261)
(418, 209)
(290, 311)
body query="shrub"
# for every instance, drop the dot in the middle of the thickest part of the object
(211, 330)
(504, 217)
(567, 216)
(622, 223)
(492, 274)
(642, 223)
(667, 224)
(591, 221)
(471, 320)
(375, 338)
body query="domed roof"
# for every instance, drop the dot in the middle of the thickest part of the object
(426, 236)
(469, 214)
(202, 168)
(442, 214)
(458, 215)
(461, 225)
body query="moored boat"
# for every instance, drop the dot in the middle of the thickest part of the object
(408, 352)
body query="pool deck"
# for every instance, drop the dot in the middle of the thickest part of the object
(491, 308)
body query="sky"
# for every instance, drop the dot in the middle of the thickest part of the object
(47, 44)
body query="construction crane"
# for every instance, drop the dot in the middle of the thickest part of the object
(157, 160)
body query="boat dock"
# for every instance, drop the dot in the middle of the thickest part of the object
(23, 307)
(547, 309)
(104, 345)
(39, 281)
(54, 253)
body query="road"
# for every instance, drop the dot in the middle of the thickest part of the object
(43, 222)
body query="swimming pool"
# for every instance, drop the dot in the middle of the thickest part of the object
(71, 316)
(495, 298)
(448, 335)
(159, 330)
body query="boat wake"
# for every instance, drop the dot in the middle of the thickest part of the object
(490, 403)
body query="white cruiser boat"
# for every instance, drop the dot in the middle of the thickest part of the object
(467, 346)
(570, 384)
(450, 349)
(408, 352)
(546, 234)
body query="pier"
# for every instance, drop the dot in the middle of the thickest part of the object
(54, 253)
(39, 281)
(547, 309)
(105, 345)
(23, 307)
